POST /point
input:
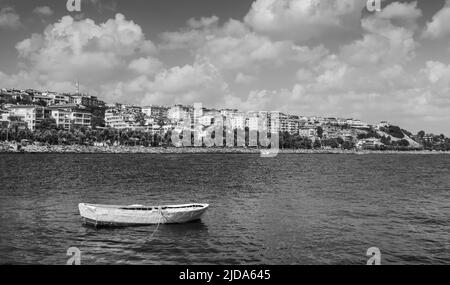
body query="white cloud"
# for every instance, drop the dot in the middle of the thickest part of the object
(242, 78)
(392, 72)
(252, 50)
(9, 19)
(438, 74)
(43, 11)
(146, 65)
(200, 82)
(304, 19)
(333, 74)
(179, 79)
(192, 36)
(93, 53)
(304, 75)
(203, 22)
(389, 37)
(439, 27)
(401, 14)
(234, 46)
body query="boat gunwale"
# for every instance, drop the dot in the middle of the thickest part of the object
(192, 207)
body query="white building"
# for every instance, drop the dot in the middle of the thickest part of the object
(369, 143)
(293, 125)
(4, 115)
(383, 124)
(62, 118)
(85, 100)
(279, 122)
(116, 120)
(4, 119)
(254, 122)
(180, 113)
(236, 121)
(158, 112)
(43, 98)
(229, 112)
(68, 116)
(57, 99)
(307, 132)
(357, 124)
(31, 115)
(206, 120)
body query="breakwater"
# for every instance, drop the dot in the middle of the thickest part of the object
(188, 150)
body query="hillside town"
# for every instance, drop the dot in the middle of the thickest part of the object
(38, 117)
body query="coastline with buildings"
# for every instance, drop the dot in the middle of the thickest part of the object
(36, 121)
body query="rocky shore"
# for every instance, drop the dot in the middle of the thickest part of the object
(173, 150)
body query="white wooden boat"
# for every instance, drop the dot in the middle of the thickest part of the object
(139, 215)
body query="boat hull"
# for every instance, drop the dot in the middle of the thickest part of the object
(118, 216)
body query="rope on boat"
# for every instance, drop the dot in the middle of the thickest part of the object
(96, 218)
(159, 221)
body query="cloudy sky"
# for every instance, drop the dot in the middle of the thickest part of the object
(305, 57)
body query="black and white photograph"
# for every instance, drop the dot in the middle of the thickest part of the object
(230, 133)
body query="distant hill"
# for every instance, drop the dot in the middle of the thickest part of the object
(395, 134)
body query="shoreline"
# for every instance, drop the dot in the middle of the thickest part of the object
(76, 149)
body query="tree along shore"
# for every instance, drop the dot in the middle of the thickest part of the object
(47, 136)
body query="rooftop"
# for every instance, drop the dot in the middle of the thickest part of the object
(67, 106)
(25, 106)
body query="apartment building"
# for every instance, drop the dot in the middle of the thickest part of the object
(40, 97)
(69, 116)
(30, 114)
(4, 119)
(86, 100)
(308, 132)
(58, 99)
(236, 121)
(115, 119)
(279, 122)
(157, 112)
(228, 112)
(122, 119)
(293, 125)
(179, 113)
